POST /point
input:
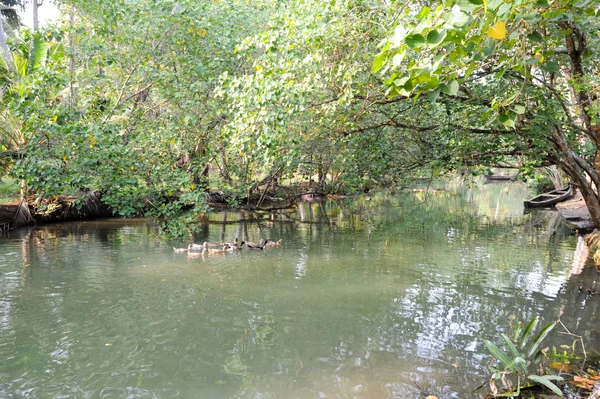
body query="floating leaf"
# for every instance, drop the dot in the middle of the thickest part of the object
(585, 383)
(498, 31)
(560, 366)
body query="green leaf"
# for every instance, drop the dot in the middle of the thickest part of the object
(398, 58)
(518, 364)
(401, 81)
(451, 88)
(434, 95)
(399, 35)
(378, 63)
(542, 3)
(457, 17)
(545, 380)
(528, 331)
(535, 36)
(497, 353)
(540, 337)
(551, 66)
(434, 38)
(423, 13)
(39, 52)
(507, 120)
(415, 41)
(510, 345)
(519, 109)
(492, 5)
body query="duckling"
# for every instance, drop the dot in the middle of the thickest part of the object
(272, 244)
(180, 250)
(259, 246)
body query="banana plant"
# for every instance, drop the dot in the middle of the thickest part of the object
(30, 53)
(518, 355)
(26, 57)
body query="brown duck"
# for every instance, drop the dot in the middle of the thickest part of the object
(273, 244)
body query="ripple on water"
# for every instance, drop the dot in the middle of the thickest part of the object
(343, 312)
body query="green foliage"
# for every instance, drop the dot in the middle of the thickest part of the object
(520, 354)
(9, 191)
(137, 119)
(167, 100)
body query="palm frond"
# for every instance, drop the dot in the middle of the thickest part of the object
(39, 52)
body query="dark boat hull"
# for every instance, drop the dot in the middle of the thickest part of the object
(550, 199)
(498, 178)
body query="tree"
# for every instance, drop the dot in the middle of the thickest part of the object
(517, 79)
(307, 102)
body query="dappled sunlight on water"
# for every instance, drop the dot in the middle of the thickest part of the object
(368, 297)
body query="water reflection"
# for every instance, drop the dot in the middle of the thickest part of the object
(385, 296)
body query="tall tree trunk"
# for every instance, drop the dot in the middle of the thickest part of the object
(5, 51)
(73, 102)
(36, 20)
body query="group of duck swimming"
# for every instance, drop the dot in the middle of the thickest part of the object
(223, 247)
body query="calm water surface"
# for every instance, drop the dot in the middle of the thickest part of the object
(380, 298)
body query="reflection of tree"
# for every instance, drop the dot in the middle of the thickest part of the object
(383, 300)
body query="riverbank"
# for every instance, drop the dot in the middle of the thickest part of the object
(577, 217)
(576, 214)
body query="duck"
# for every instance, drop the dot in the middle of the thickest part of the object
(180, 250)
(255, 244)
(261, 245)
(214, 245)
(236, 247)
(272, 244)
(235, 243)
(195, 247)
(200, 247)
(224, 248)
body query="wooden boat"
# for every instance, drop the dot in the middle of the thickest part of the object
(498, 178)
(550, 199)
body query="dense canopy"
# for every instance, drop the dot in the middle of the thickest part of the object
(158, 106)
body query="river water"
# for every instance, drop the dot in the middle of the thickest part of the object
(381, 297)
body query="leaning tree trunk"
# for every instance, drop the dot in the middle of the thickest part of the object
(579, 172)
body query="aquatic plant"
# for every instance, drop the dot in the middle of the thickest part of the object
(518, 355)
